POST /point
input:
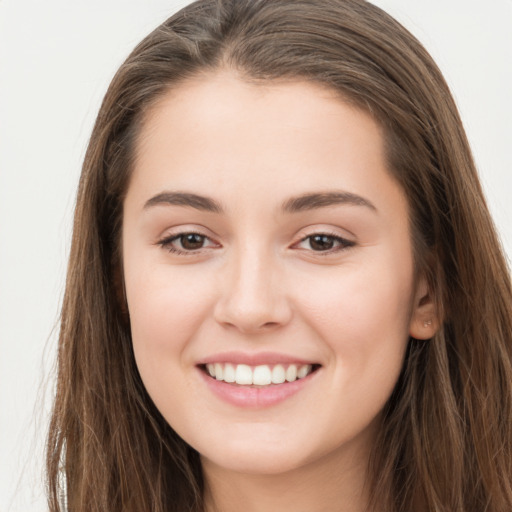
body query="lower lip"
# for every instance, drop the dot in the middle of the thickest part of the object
(255, 397)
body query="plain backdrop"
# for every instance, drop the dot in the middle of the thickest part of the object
(56, 60)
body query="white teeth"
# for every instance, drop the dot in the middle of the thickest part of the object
(229, 373)
(261, 375)
(278, 374)
(218, 371)
(303, 371)
(291, 373)
(243, 374)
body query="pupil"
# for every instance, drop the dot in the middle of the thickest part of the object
(192, 241)
(321, 242)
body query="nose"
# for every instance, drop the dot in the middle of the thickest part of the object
(252, 293)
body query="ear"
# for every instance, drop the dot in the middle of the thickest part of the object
(425, 320)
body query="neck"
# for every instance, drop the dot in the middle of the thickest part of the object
(326, 485)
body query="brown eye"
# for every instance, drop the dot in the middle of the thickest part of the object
(187, 243)
(192, 241)
(324, 243)
(321, 242)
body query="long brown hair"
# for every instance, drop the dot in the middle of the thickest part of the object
(446, 437)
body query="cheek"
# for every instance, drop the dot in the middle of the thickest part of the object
(364, 321)
(361, 301)
(166, 307)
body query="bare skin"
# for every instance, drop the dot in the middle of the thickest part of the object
(322, 486)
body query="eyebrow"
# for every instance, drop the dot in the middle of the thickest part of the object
(185, 199)
(324, 199)
(297, 204)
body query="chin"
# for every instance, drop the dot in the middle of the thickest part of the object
(253, 462)
(255, 454)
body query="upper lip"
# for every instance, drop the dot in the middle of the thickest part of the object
(255, 359)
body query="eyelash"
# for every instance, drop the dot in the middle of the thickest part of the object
(344, 244)
(167, 242)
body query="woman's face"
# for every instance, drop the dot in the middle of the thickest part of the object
(265, 242)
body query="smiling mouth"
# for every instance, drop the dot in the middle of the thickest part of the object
(261, 375)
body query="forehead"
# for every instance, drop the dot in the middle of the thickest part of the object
(267, 139)
(222, 105)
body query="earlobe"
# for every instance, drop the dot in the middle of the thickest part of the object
(424, 318)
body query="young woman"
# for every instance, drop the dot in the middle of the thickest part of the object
(285, 291)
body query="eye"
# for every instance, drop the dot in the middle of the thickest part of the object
(323, 242)
(191, 241)
(186, 243)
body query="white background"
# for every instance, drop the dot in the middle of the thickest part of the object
(56, 60)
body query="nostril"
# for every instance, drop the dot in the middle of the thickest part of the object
(270, 324)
